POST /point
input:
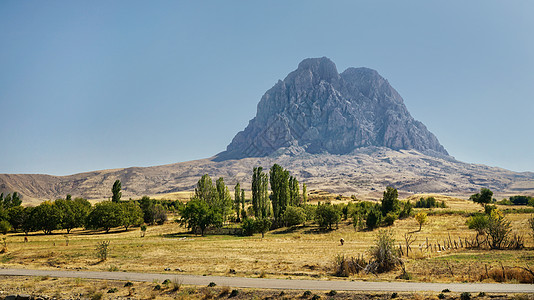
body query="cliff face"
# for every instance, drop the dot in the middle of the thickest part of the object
(317, 110)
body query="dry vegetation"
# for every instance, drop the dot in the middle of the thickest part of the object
(301, 252)
(68, 288)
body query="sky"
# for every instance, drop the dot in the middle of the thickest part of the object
(90, 85)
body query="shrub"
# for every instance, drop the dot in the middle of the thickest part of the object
(248, 226)
(384, 255)
(345, 266)
(212, 284)
(441, 296)
(127, 284)
(373, 218)
(102, 250)
(293, 215)
(478, 222)
(331, 293)
(465, 296)
(406, 209)
(390, 219)
(5, 227)
(306, 294)
(498, 229)
(234, 293)
(421, 218)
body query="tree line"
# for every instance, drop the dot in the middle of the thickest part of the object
(67, 214)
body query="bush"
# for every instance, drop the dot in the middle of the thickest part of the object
(373, 218)
(498, 230)
(102, 250)
(331, 293)
(406, 210)
(465, 296)
(390, 219)
(345, 266)
(293, 215)
(5, 227)
(478, 222)
(248, 226)
(384, 256)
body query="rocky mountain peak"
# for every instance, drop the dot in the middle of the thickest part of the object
(317, 110)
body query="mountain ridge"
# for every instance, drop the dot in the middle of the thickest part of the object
(365, 173)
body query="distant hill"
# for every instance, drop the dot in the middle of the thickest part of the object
(346, 133)
(365, 173)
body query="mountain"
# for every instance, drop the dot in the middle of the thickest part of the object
(347, 133)
(317, 110)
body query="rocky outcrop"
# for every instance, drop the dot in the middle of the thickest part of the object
(317, 110)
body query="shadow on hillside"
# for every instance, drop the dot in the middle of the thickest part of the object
(180, 235)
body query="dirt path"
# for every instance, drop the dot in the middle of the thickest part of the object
(242, 282)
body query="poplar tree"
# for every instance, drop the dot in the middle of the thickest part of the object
(116, 190)
(294, 193)
(304, 194)
(224, 198)
(237, 200)
(279, 179)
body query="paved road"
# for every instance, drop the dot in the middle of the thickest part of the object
(242, 282)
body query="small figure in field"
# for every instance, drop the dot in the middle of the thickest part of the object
(25, 239)
(342, 241)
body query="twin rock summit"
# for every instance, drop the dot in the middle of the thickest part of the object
(346, 132)
(317, 110)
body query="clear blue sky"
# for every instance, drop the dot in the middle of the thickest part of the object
(87, 85)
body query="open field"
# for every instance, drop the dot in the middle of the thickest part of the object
(301, 252)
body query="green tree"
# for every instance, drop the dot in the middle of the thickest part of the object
(16, 216)
(46, 217)
(374, 217)
(482, 198)
(116, 190)
(132, 215)
(294, 193)
(390, 201)
(5, 227)
(421, 218)
(72, 213)
(224, 203)
(206, 191)
(260, 193)
(198, 215)
(294, 215)
(105, 215)
(237, 201)
(28, 223)
(326, 215)
(262, 226)
(10, 200)
(304, 194)
(279, 180)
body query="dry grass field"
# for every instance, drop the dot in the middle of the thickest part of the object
(301, 252)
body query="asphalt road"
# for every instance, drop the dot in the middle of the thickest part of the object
(295, 284)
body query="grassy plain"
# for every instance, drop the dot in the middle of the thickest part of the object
(300, 252)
